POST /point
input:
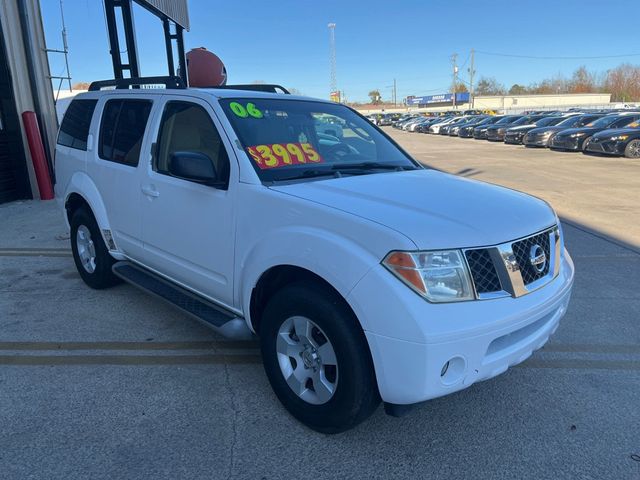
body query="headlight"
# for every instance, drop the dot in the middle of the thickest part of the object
(577, 134)
(439, 276)
(619, 137)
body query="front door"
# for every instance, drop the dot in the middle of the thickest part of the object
(188, 227)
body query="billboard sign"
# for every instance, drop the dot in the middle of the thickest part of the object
(442, 99)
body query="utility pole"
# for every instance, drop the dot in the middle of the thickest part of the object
(472, 72)
(332, 58)
(454, 59)
(395, 98)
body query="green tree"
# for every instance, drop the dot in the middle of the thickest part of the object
(489, 86)
(518, 89)
(375, 96)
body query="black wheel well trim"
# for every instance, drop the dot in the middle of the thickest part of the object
(277, 277)
(73, 203)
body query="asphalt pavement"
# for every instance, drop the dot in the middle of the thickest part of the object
(114, 384)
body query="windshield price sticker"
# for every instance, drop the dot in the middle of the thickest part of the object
(242, 111)
(283, 155)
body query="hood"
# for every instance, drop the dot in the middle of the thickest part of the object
(433, 209)
(612, 132)
(547, 129)
(498, 127)
(521, 128)
(571, 131)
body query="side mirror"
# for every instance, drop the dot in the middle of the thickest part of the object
(194, 166)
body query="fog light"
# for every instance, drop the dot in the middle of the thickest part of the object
(453, 371)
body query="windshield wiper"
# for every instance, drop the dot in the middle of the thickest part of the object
(371, 166)
(308, 174)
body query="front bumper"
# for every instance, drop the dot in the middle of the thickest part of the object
(607, 147)
(411, 340)
(566, 143)
(513, 138)
(480, 135)
(535, 140)
(495, 136)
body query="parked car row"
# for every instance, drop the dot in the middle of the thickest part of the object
(605, 132)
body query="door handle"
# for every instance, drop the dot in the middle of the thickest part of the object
(150, 191)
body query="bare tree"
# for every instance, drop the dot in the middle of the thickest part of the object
(623, 82)
(582, 81)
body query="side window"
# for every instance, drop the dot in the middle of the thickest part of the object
(187, 127)
(122, 129)
(623, 122)
(75, 125)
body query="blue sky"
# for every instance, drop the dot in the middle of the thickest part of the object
(287, 42)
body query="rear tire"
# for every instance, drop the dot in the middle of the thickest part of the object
(305, 330)
(632, 150)
(90, 254)
(585, 142)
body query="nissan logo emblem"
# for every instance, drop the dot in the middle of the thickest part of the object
(537, 258)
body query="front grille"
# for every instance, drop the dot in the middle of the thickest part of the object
(483, 271)
(522, 252)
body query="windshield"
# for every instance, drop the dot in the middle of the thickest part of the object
(291, 139)
(526, 120)
(507, 119)
(604, 121)
(547, 121)
(573, 121)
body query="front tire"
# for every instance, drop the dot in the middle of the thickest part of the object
(632, 150)
(317, 359)
(90, 254)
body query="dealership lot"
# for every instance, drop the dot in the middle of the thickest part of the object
(109, 384)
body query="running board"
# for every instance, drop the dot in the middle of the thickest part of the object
(221, 320)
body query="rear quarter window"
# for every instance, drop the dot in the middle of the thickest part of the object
(75, 124)
(122, 130)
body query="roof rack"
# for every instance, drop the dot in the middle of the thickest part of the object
(125, 83)
(258, 87)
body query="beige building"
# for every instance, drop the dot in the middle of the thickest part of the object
(516, 103)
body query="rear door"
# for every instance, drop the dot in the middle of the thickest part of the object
(121, 140)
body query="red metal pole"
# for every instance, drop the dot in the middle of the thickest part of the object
(36, 148)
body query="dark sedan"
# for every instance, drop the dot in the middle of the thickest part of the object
(496, 133)
(619, 142)
(574, 139)
(424, 126)
(474, 120)
(467, 130)
(480, 132)
(515, 135)
(447, 128)
(539, 137)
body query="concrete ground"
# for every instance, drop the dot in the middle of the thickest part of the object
(113, 384)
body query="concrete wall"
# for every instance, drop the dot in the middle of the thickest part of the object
(541, 101)
(514, 103)
(10, 18)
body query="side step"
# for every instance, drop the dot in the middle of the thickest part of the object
(221, 320)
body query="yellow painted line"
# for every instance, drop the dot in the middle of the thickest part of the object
(136, 360)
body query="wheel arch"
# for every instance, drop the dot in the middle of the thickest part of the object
(81, 191)
(274, 279)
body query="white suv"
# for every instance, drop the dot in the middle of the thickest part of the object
(366, 276)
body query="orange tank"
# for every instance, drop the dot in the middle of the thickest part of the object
(205, 69)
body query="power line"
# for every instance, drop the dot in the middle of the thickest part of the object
(595, 57)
